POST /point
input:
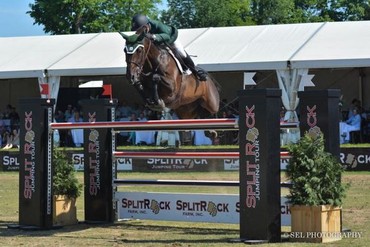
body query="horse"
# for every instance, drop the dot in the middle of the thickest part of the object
(160, 81)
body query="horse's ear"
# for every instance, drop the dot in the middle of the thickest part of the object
(125, 36)
(143, 29)
(146, 28)
(130, 38)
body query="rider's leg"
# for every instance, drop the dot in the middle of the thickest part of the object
(202, 75)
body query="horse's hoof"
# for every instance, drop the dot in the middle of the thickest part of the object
(211, 134)
(161, 103)
(150, 102)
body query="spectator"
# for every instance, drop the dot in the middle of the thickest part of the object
(282, 115)
(131, 138)
(59, 116)
(142, 116)
(124, 110)
(355, 120)
(68, 113)
(77, 134)
(14, 118)
(355, 104)
(7, 111)
(12, 139)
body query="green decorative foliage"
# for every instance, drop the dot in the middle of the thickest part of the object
(315, 174)
(65, 181)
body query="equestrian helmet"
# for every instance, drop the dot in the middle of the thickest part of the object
(138, 21)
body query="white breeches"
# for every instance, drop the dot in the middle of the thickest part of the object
(178, 46)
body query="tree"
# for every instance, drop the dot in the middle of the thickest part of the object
(207, 13)
(180, 13)
(221, 13)
(355, 10)
(266, 12)
(87, 16)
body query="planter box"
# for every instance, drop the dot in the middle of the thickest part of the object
(319, 224)
(64, 211)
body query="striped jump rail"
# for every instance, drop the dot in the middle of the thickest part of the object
(179, 124)
(168, 182)
(183, 155)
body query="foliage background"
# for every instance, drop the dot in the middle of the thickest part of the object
(90, 16)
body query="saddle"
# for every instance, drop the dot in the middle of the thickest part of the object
(179, 62)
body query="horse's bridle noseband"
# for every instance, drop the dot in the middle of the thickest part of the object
(145, 57)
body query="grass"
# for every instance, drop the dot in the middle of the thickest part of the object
(356, 216)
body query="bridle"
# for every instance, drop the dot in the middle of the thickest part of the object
(144, 58)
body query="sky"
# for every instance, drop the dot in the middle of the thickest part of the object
(14, 22)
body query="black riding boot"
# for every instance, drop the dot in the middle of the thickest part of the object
(200, 73)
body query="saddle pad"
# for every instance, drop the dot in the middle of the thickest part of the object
(176, 60)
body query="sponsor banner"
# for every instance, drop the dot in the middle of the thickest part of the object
(78, 161)
(176, 164)
(233, 164)
(356, 159)
(124, 164)
(185, 207)
(10, 161)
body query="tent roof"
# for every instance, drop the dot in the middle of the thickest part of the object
(270, 47)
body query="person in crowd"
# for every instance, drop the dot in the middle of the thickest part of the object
(355, 104)
(165, 34)
(77, 134)
(59, 116)
(63, 134)
(14, 118)
(68, 113)
(142, 116)
(12, 139)
(7, 111)
(354, 120)
(131, 138)
(124, 110)
(282, 115)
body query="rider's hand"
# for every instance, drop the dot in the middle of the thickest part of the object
(151, 36)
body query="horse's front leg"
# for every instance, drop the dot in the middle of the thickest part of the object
(156, 80)
(139, 87)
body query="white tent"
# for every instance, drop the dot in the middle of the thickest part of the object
(284, 48)
(310, 45)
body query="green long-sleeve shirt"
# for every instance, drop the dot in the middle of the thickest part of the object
(163, 32)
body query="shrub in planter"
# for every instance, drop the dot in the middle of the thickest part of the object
(317, 190)
(66, 189)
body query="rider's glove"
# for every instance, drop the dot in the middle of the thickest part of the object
(151, 36)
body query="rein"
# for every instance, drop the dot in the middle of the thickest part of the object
(153, 70)
(146, 59)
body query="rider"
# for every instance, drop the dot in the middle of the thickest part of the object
(162, 33)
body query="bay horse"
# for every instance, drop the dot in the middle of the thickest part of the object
(161, 83)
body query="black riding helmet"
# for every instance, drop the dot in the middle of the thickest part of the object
(138, 21)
